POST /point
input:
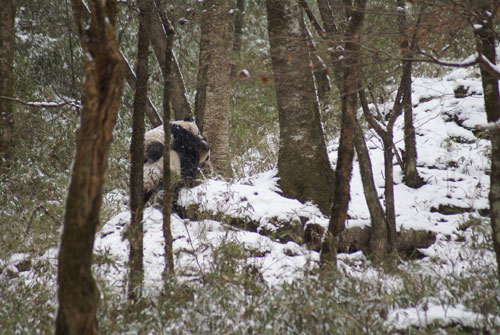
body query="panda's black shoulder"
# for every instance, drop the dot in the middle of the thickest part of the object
(183, 139)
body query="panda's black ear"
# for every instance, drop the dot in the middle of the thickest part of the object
(188, 119)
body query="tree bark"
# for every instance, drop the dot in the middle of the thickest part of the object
(303, 167)
(347, 77)
(214, 80)
(378, 235)
(104, 73)
(135, 232)
(167, 175)
(8, 14)
(485, 37)
(177, 93)
(131, 78)
(151, 110)
(411, 177)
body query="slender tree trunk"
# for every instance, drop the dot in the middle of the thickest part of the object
(302, 149)
(135, 233)
(347, 76)
(378, 235)
(177, 90)
(7, 14)
(239, 21)
(151, 110)
(486, 46)
(104, 73)
(320, 73)
(167, 177)
(390, 208)
(411, 177)
(214, 74)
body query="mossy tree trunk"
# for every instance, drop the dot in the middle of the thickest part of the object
(104, 73)
(303, 167)
(135, 232)
(7, 14)
(486, 40)
(214, 80)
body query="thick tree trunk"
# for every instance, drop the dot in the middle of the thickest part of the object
(486, 46)
(104, 72)
(214, 74)
(135, 233)
(303, 166)
(7, 14)
(177, 93)
(347, 77)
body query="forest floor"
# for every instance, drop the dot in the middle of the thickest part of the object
(238, 236)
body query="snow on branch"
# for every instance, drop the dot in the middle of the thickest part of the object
(46, 104)
(470, 61)
(489, 126)
(493, 69)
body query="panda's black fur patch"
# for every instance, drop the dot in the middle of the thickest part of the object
(188, 146)
(154, 152)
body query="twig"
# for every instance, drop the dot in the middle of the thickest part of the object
(42, 208)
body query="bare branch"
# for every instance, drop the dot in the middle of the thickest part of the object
(319, 29)
(72, 103)
(443, 63)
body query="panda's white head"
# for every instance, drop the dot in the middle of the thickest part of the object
(189, 151)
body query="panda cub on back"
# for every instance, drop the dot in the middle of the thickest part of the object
(189, 151)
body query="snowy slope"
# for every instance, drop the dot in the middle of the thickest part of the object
(452, 161)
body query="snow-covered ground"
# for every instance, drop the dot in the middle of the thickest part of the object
(452, 161)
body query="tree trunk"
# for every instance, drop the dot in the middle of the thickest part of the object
(303, 167)
(177, 91)
(390, 208)
(347, 77)
(378, 236)
(151, 111)
(320, 73)
(239, 19)
(135, 233)
(214, 84)
(131, 78)
(8, 14)
(238, 26)
(411, 177)
(167, 176)
(486, 46)
(104, 73)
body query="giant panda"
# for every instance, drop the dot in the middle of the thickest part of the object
(189, 151)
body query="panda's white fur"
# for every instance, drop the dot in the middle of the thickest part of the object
(153, 148)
